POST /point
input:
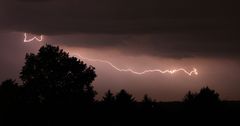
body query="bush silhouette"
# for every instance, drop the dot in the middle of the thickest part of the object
(52, 76)
(9, 90)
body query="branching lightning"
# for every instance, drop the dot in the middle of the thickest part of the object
(190, 73)
(33, 38)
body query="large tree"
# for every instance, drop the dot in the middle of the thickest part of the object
(52, 76)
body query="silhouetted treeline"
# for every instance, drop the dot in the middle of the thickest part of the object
(56, 89)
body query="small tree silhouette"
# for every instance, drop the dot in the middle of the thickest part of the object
(148, 103)
(109, 104)
(52, 76)
(109, 98)
(190, 97)
(124, 99)
(147, 99)
(206, 96)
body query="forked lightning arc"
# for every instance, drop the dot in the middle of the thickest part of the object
(190, 73)
(33, 38)
(194, 71)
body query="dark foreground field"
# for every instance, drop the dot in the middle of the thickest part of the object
(114, 115)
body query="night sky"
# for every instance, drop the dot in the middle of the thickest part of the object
(136, 34)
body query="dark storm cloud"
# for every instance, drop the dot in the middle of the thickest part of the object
(34, 0)
(173, 45)
(171, 28)
(117, 16)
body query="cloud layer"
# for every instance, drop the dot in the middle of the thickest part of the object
(173, 28)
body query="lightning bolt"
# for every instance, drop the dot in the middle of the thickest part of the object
(190, 73)
(33, 38)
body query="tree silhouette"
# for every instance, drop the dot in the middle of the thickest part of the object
(190, 97)
(109, 105)
(148, 103)
(124, 99)
(206, 96)
(109, 98)
(147, 99)
(57, 90)
(52, 76)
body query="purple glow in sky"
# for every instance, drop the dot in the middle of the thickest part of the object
(133, 36)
